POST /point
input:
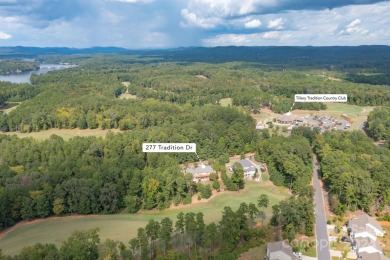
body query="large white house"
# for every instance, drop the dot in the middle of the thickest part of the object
(364, 231)
(249, 168)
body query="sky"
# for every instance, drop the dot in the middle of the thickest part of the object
(145, 24)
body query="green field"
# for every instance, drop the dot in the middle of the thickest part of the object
(66, 134)
(122, 227)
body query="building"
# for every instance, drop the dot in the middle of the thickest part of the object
(201, 173)
(279, 251)
(372, 256)
(289, 118)
(249, 168)
(366, 244)
(365, 226)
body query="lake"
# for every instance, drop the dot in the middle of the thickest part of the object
(25, 77)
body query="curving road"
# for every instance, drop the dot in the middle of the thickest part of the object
(322, 238)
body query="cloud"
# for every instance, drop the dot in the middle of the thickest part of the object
(253, 24)
(192, 20)
(271, 35)
(276, 24)
(5, 36)
(227, 9)
(353, 28)
(253, 39)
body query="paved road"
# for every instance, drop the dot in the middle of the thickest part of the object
(323, 250)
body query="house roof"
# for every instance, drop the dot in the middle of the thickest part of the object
(288, 117)
(372, 256)
(362, 242)
(280, 246)
(363, 220)
(202, 169)
(247, 165)
(362, 228)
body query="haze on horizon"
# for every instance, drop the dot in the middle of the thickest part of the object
(139, 24)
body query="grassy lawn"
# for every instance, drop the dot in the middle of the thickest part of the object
(123, 227)
(306, 245)
(254, 253)
(66, 134)
(226, 102)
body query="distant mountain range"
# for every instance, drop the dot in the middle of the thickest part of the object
(308, 55)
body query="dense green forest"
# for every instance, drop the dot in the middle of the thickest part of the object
(10, 92)
(355, 171)
(71, 173)
(87, 96)
(15, 66)
(289, 161)
(378, 124)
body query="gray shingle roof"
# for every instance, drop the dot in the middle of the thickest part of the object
(362, 220)
(247, 165)
(372, 256)
(362, 242)
(280, 246)
(200, 170)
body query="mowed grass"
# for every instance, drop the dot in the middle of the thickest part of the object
(123, 227)
(66, 134)
(226, 102)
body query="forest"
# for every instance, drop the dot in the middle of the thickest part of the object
(88, 96)
(178, 100)
(14, 66)
(378, 124)
(355, 171)
(289, 161)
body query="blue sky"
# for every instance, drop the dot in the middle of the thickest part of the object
(138, 24)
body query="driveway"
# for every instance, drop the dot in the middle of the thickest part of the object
(322, 238)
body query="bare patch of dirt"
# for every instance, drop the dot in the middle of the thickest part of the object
(202, 77)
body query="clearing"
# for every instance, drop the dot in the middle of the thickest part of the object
(9, 106)
(226, 102)
(66, 134)
(123, 226)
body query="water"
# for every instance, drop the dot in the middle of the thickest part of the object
(25, 76)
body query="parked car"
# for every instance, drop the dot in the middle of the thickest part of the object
(346, 239)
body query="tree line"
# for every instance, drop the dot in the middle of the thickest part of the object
(9, 66)
(378, 124)
(355, 171)
(95, 175)
(289, 160)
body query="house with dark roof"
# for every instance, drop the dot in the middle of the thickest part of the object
(372, 256)
(279, 251)
(365, 226)
(200, 173)
(249, 168)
